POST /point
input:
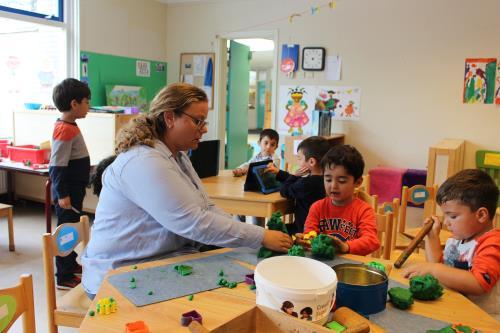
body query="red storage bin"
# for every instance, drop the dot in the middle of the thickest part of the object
(3, 148)
(29, 153)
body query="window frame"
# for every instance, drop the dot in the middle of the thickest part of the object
(58, 18)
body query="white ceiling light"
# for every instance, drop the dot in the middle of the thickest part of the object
(257, 44)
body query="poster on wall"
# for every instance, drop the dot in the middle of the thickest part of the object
(295, 109)
(497, 94)
(479, 80)
(343, 103)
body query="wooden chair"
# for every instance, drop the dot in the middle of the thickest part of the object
(393, 207)
(6, 211)
(365, 185)
(372, 200)
(489, 162)
(70, 309)
(385, 228)
(16, 301)
(417, 195)
(496, 221)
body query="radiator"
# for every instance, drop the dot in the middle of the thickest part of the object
(3, 182)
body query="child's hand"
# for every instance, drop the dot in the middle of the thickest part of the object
(419, 269)
(238, 172)
(341, 246)
(299, 240)
(436, 227)
(271, 168)
(302, 172)
(65, 203)
(276, 240)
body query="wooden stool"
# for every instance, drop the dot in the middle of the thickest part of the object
(6, 211)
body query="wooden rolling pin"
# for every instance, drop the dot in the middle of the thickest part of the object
(413, 244)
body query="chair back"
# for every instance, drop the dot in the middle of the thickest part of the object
(372, 200)
(384, 233)
(61, 243)
(392, 207)
(489, 162)
(16, 301)
(417, 195)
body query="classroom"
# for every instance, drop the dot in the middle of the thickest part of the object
(181, 93)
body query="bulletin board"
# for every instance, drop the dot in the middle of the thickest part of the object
(198, 69)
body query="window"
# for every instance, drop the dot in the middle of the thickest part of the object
(47, 9)
(37, 56)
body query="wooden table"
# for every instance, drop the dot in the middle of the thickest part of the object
(221, 305)
(227, 193)
(18, 167)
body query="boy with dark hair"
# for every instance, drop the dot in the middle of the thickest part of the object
(306, 185)
(470, 263)
(348, 220)
(69, 168)
(96, 177)
(268, 143)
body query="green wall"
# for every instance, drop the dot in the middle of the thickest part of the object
(103, 69)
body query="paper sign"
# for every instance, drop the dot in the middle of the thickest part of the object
(419, 195)
(188, 78)
(199, 65)
(143, 68)
(296, 144)
(332, 69)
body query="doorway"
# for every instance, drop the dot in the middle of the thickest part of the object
(245, 91)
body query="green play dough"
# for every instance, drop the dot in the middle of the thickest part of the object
(425, 287)
(376, 265)
(274, 223)
(322, 247)
(401, 298)
(297, 251)
(454, 329)
(8, 307)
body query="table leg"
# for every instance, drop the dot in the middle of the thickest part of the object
(10, 187)
(48, 207)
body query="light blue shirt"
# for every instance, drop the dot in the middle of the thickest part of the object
(153, 206)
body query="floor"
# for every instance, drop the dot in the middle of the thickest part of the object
(29, 225)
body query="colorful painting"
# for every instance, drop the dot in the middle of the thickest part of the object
(497, 94)
(295, 107)
(479, 80)
(127, 96)
(343, 103)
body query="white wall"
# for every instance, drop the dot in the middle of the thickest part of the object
(128, 28)
(407, 56)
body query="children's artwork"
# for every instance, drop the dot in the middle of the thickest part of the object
(343, 103)
(497, 94)
(295, 107)
(289, 58)
(127, 96)
(479, 80)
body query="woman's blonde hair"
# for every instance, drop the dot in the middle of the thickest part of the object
(146, 128)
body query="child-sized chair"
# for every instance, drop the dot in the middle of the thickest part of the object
(393, 207)
(417, 195)
(70, 309)
(6, 211)
(372, 200)
(16, 301)
(385, 227)
(489, 162)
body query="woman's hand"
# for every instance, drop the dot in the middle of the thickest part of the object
(276, 240)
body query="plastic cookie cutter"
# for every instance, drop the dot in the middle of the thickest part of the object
(250, 279)
(188, 317)
(136, 327)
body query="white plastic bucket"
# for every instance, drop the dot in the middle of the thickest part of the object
(306, 284)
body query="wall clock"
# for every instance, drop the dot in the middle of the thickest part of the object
(313, 58)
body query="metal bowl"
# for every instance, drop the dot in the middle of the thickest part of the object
(361, 288)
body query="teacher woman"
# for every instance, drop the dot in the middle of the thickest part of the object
(152, 204)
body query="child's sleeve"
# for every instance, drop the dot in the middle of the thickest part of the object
(59, 159)
(367, 240)
(486, 262)
(312, 220)
(282, 176)
(293, 188)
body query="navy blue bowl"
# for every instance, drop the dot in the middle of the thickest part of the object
(361, 288)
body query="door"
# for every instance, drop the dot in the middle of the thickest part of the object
(237, 104)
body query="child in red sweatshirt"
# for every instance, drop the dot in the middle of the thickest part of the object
(348, 220)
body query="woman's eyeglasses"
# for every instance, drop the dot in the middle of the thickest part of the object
(198, 122)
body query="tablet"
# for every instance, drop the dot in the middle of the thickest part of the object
(258, 180)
